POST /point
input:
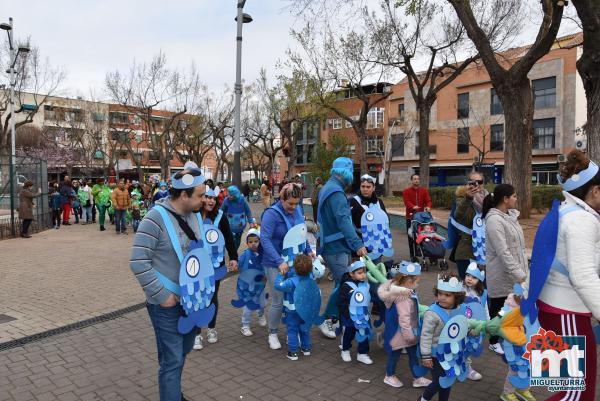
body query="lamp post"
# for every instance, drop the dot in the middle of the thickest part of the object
(14, 54)
(237, 163)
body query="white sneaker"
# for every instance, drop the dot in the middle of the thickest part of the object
(497, 348)
(393, 381)
(211, 336)
(364, 358)
(346, 356)
(274, 341)
(198, 342)
(246, 332)
(262, 321)
(327, 329)
(474, 375)
(421, 382)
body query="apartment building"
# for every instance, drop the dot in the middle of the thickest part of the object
(467, 124)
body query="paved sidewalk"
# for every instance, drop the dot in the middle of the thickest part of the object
(59, 277)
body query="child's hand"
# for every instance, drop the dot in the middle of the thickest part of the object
(428, 363)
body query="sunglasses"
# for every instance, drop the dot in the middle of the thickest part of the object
(475, 183)
(368, 179)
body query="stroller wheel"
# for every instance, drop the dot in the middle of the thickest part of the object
(443, 264)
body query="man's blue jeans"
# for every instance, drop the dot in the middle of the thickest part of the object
(120, 220)
(337, 264)
(172, 348)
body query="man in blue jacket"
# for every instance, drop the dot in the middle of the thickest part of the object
(338, 235)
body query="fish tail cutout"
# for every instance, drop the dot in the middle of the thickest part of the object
(238, 303)
(447, 381)
(186, 324)
(521, 383)
(252, 305)
(511, 327)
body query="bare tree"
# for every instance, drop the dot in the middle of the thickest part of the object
(588, 12)
(407, 36)
(36, 81)
(401, 130)
(148, 87)
(510, 79)
(338, 66)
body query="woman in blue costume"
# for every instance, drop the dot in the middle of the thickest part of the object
(283, 217)
(212, 216)
(238, 213)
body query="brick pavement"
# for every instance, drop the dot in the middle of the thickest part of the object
(116, 360)
(63, 276)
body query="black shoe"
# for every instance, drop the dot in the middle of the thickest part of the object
(292, 356)
(183, 398)
(102, 228)
(305, 352)
(124, 232)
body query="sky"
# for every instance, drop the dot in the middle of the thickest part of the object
(92, 37)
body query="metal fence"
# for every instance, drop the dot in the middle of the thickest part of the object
(26, 168)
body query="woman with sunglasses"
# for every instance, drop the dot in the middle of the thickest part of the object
(362, 200)
(469, 201)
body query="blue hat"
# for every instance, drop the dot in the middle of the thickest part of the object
(253, 232)
(355, 266)
(162, 184)
(211, 192)
(343, 162)
(579, 179)
(474, 271)
(409, 268)
(234, 191)
(452, 284)
(188, 180)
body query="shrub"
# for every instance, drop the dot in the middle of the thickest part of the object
(541, 196)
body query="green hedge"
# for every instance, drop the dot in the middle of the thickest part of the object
(541, 197)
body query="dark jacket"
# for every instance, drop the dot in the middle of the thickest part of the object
(55, 201)
(66, 193)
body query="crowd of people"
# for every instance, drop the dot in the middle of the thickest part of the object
(279, 261)
(190, 218)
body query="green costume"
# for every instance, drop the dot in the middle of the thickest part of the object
(101, 194)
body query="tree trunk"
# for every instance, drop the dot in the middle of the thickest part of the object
(587, 66)
(424, 120)
(517, 101)
(362, 150)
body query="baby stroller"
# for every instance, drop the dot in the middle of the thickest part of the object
(427, 243)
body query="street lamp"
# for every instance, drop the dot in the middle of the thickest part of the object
(14, 54)
(241, 19)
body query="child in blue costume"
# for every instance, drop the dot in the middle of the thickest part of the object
(353, 304)
(251, 258)
(402, 323)
(163, 192)
(449, 294)
(296, 326)
(238, 213)
(475, 293)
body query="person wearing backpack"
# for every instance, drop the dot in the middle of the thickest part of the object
(469, 202)
(505, 251)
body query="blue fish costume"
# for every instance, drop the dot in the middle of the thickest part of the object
(305, 301)
(475, 309)
(391, 319)
(294, 242)
(359, 310)
(375, 230)
(237, 211)
(215, 243)
(251, 283)
(477, 233)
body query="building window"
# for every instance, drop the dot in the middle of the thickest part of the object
(462, 143)
(375, 144)
(119, 118)
(495, 105)
(497, 138)
(401, 112)
(463, 105)
(544, 93)
(336, 123)
(118, 136)
(398, 145)
(306, 136)
(154, 155)
(351, 149)
(375, 118)
(543, 133)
